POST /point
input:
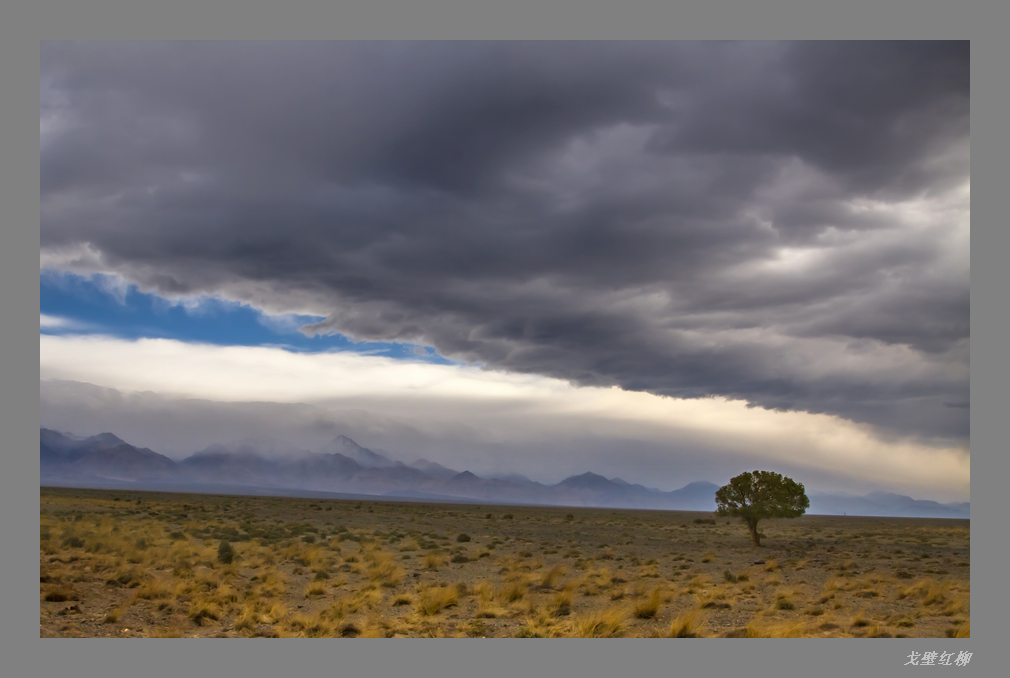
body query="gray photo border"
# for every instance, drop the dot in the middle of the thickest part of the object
(24, 654)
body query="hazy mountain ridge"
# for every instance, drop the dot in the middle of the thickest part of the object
(343, 466)
(101, 456)
(886, 504)
(346, 447)
(433, 469)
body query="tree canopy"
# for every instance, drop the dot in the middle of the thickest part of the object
(759, 495)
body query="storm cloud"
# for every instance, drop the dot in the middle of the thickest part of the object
(783, 223)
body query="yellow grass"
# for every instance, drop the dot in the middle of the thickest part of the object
(606, 623)
(432, 600)
(647, 608)
(510, 592)
(687, 625)
(316, 588)
(928, 591)
(781, 629)
(551, 577)
(158, 574)
(387, 575)
(433, 561)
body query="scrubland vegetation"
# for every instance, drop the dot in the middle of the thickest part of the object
(140, 564)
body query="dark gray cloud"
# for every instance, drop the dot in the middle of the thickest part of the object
(783, 223)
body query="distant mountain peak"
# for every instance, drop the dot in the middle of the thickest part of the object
(345, 466)
(700, 484)
(588, 475)
(352, 450)
(108, 439)
(587, 480)
(433, 469)
(517, 479)
(102, 456)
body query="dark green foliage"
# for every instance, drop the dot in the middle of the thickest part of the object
(463, 537)
(759, 495)
(225, 553)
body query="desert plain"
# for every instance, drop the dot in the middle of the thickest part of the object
(117, 563)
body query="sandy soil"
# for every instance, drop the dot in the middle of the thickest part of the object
(140, 564)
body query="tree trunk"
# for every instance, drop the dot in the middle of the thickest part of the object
(752, 525)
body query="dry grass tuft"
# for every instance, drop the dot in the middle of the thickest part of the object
(386, 573)
(487, 609)
(113, 615)
(859, 620)
(648, 607)
(431, 600)
(605, 623)
(785, 629)
(202, 610)
(783, 603)
(432, 561)
(365, 599)
(510, 591)
(699, 581)
(305, 626)
(560, 605)
(957, 605)
(551, 577)
(153, 589)
(316, 588)
(927, 590)
(688, 625)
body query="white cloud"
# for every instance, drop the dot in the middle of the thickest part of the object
(287, 323)
(501, 409)
(55, 322)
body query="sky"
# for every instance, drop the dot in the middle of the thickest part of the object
(662, 261)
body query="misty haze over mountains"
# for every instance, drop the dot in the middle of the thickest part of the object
(344, 467)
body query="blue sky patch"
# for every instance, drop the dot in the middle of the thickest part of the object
(101, 304)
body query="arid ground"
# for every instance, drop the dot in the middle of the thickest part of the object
(142, 564)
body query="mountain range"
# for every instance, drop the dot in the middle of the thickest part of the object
(344, 467)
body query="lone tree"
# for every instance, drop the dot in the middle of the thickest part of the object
(761, 494)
